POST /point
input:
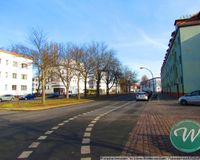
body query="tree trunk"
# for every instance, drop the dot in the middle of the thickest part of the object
(67, 92)
(85, 83)
(98, 84)
(85, 86)
(43, 86)
(116, 88)
(107, 87)
(78, 86)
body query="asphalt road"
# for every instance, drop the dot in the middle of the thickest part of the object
(85, 131)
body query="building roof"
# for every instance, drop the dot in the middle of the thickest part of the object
(16, 54)
(195, 17)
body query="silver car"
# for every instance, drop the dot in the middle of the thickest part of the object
(7, 97)
(142, 96)
(191, 98)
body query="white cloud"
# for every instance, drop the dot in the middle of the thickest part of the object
(151, 41)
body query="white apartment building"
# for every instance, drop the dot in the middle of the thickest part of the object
(54, 84)
(15, 73)
(151, 85)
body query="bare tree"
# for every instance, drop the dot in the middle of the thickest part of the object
(111, 71)
(88, 65)
(77, 55)
(65, 66)
(128, 78)
(144, 78)
(100, 61)
(42, 52)
(44, 55)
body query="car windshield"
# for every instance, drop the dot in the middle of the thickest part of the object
(7, 95)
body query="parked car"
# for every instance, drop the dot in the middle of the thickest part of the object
(7, 97)
(27, 97)
(149, 93)
(53, 95)
(191, 98)
(142, 96)
(72, 94)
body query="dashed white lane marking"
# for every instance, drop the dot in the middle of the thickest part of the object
(87, 134)
(86, 141)
(93, 121)
(97, 118)
(86, 158)
(34, 145)
(90, 125)
(24, 154)
(85, 150)
(42, 137)
(88, 129)
(48, 132)
(54, 128)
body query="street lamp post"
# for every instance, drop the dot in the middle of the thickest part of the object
(151, 75)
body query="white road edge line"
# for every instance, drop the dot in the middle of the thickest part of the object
(24, 154)
(86, 158)
(87, 134)
(86, 141)
(34, 145)
(48, 132)
(85, 149)
(89, 129)
(42, 137)
(54, 128)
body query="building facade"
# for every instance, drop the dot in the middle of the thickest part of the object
(54, 84)
(15, 74)
(180, 70)
(153, 85)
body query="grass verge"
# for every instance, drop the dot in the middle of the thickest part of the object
(36, 104)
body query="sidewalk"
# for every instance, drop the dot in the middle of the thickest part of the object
(150, 136)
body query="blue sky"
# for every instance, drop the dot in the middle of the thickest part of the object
(139, 30)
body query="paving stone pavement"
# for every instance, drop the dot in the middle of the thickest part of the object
(150, 136)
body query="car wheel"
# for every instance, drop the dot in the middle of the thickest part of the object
(0, 100)
(184, 102)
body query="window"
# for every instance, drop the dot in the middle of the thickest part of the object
(180, 59)
(6, 74)
(6, 62)
(15, 64)
(14, 75)
(23, 87)
(14, 87)
(24, 65)
(6, 87)
(24, 76)
(195, 93)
